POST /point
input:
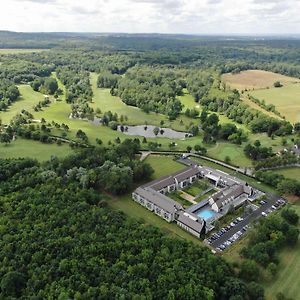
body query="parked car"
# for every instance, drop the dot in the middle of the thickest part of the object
(264, 214)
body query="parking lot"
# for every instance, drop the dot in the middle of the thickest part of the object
(233, 231)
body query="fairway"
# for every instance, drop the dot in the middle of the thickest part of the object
(163, 165)
(103, 100)
(26, 101)
(287, 280)
(292, 173)
(286, 100)
(255, 79)
(33, 149)
(188, 101)
(233, 151)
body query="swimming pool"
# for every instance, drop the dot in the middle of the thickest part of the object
(206, 214)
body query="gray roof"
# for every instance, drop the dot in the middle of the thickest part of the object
(159, 199)
(187, 173)
(166, 181)
(190, 220)
(162, 183)
(232, 191)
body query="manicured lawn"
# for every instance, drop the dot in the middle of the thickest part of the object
(188, 101)
(233, 151)
(287, 280)
(33, 149)
(206, 195)
(132, 209)
(27, 100)
(176, 196)
(286, 100)
(293, 173)
(163, 165)
(197, 188)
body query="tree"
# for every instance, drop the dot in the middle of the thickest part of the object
(227, 159)
(290, 216)
(156, 130)
(189, 148)
(5, 138)
(255, 291)
(50, 85)
(249, 270)
(12, 284)
(277, 84)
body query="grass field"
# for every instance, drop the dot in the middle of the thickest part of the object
(26, 101)
(33, 149)
(255, 79)
(163, 165)
(234, 152)
(286, 100)
(252, 104)
(293, 173)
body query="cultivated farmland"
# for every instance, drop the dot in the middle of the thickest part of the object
(256, 79)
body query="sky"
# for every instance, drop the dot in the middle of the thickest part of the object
(152, 16)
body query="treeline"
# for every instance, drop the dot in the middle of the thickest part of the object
(151, 89)
(263, 245)
(78, 90)
(45, 86)
(283, 185)
(213, 131)
(241, 113)
(20, 70)
(8, 93)
(286, 159)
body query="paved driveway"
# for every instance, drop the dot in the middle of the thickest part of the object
(254, 215)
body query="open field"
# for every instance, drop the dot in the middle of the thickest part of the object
(257, 107)
(286, 100)
(256, 79)
(26, 101)
(33, 149)
(292, 173)
(163, 165)
(17, 51)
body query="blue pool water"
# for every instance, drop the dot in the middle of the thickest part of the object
(206, 214)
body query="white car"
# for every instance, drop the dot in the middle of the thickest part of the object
(263, 214)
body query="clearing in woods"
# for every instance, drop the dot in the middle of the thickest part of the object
(256, 79)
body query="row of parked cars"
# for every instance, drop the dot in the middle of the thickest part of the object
(232, 239)
(218, 234)
(277, 204)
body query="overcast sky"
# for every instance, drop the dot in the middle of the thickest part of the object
(163, 16)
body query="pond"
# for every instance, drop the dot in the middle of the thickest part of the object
(147, 131)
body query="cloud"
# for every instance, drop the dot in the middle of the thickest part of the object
(165, 16)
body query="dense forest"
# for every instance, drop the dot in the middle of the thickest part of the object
(59, 239)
